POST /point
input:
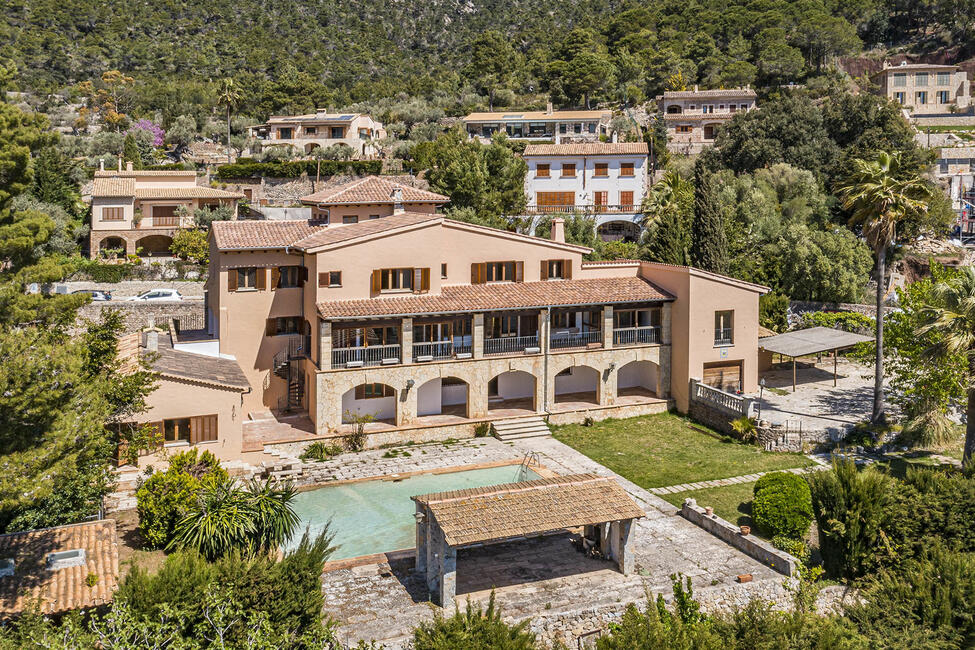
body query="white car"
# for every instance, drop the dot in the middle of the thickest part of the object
(155, 295)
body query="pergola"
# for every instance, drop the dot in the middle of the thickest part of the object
(448, 521)
(814, 340)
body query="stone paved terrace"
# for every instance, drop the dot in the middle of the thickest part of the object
(546, 579)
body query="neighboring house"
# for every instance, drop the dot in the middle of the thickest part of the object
(540, 125)
(605, 180)
(925, 89)
(321, 129)
(432, 326)
(133, 210)
(59, 569)
(370, 198)
(693, 117)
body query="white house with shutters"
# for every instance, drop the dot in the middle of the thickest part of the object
(605, 180)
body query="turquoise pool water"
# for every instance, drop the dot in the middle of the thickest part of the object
(377, 516)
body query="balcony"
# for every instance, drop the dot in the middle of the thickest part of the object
(631, 208)
(171, 221)
(439, 350)
(723, 336)
(364, 356)
(512, 345)
(636, 335)
(566, 340)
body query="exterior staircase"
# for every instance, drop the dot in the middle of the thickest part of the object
(531, 426)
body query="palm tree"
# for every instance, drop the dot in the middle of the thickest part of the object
(664, 196)
(880, 195)
(954, 318)
(229, 97)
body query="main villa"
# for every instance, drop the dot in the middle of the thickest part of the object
(430, 327)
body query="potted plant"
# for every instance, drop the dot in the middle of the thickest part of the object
(136, 217)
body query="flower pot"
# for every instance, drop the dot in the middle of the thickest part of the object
(709, 511)
(746, 530)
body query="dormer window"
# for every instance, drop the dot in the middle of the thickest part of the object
(66, 559)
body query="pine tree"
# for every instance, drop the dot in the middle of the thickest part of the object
(130, 151)
(709, 247)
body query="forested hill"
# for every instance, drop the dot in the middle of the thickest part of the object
(295, 54)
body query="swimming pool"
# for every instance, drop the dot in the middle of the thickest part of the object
(377, 516)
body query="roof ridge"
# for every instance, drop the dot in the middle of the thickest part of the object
(508, 488)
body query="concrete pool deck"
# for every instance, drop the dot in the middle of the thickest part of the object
(546, 579)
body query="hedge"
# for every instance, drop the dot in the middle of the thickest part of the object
(295, 168)
(782, 505)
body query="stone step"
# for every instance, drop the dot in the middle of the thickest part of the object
(519, 428)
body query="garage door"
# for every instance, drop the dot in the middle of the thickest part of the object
(726, 376)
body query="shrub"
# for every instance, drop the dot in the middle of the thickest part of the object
(320, 451)
(474, 629)
(783, 507)
(164, 498)
(795, 547)
(295, 168)
(851, 321)
(191, 243)
(745, 429)
(356, 441)
(482, 430)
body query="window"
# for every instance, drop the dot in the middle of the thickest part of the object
(311, 130)
(363, 134)
(921, 97)
(899, 98)
(592, 127)
(568, 170)
(626, 169)
(395, 279)
(556, 270)
(113, 214)
(373, 216)
(602, 169)
(577, 127)
(944, 97)
(287, 277)
(357, 337)
(373, 391)
(330, 279)
(921, 79)
(443, 271)
(284, 134)
(555, 200)
(733, 108)
(500, 272)
(724, 327)
(563, 320)
(337, 132)
(176, 430)
(709, 132)
(600, 199)
(283, 325)
(542, 170)
(350, 218)
(707, 108)
(503, 326)
(626, 201)
(744, 107)
(944, 78)
(900, 79)
(684, 128)
(248, 278)
(562, 129)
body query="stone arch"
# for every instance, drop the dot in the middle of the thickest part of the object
(444, 396)
(154, 245)
(638, 378)
(577, 383)
(674, 109)
(112, 242)
(618, 230)
(376, 399)
(311, 146)
(512, 388)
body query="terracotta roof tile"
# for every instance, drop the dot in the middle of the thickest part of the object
(62, 589)
(200, 368)
(145, 173)
(516, 509)
(717, 92)
(537, 116)
(114, 187)
(588, 149)
(508, 295)
(338, 234)
(195, 192)
(372, 189)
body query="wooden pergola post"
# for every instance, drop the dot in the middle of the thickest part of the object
(793, 374)
(835, 351)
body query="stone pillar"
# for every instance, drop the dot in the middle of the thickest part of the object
(324, 344)
(433, 556)
(477, 336)
(624, 539)
(544, 330)
(665, 323)
(448, 576)
(406, 341)
(663, 372)
(607, 384)
(545, 385)
(421, 540)
(608, 327)
(129, 245)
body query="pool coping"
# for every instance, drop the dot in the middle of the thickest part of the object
(406, 553)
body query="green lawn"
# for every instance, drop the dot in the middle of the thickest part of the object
(666, 449)
(732, 502)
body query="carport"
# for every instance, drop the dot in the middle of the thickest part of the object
(814, 340)
(448, 521)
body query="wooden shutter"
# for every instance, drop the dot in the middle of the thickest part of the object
(261, 279)
(543, 273)
(232, 280)
(377, 281)
(360, 391)
(275, 277)
(203, 428)
(626, 198)
(323, 279)
(271, 327)
(417, 279)
(519, 271)
(478, 272)
(425, 280)
(567, 269)
(388, 391)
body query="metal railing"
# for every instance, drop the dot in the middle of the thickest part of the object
(510, 345)
(636, 335)
(433, 350)
(575, 339)
(723, 336)
(585, 209)
(373, 355)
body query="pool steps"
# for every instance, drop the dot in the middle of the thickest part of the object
(531, 426)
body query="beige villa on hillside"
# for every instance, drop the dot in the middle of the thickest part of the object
(924, 88)
(140, 210)
(370, 198)
(321, 129)
(548, 124)
(430, 326)
(693, 117)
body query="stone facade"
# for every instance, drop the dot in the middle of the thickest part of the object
(137, 314)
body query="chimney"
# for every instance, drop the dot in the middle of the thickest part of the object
(615, 137)
(129, 166)
(558, 229)
(120, 162)
(397, 196)
(549, 109)
(152, 340)
(101, 164)
(695, 87)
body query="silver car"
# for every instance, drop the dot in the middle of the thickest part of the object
(155, 295)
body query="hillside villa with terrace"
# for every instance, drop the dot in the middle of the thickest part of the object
(693, 117)
(432, 326)
(135, 210)
(372, 197)
(604, 180)
(321, 129)
(540, 125)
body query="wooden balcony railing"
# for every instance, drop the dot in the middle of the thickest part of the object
(584, 209)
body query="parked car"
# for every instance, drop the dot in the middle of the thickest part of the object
(97, 295)
(156, 294)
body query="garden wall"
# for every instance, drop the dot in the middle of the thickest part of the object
(190, 312)
(801, 306)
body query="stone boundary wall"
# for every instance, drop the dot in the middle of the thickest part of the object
(750, 545)
(792, 440)
(712, 416)
(127, 288)
(802, 306)
(922, 121)
(137, 313)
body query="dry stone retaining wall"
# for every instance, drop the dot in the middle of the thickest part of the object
(137, 313)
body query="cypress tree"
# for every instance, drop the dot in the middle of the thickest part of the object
(130, 151)
(709, 246)
(668, 240)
